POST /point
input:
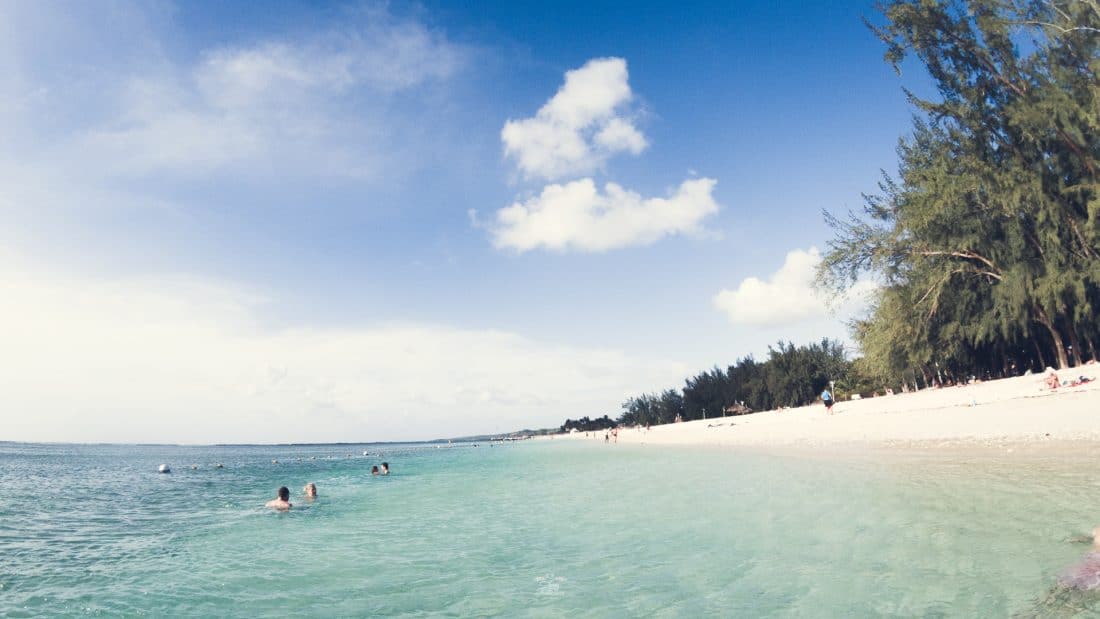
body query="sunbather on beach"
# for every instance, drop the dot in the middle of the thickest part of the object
(1052, 380)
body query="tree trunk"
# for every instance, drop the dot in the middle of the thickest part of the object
(1092, 348)
(1038, 352)
(1075, 345)
(1059, 346)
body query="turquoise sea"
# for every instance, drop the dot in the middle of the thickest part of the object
(539, 529)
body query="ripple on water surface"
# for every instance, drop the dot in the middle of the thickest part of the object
(537, 529)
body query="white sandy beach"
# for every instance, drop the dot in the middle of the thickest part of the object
(1011, 410)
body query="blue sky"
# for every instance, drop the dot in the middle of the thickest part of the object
(362, 221)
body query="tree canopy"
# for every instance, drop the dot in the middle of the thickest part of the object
(791, 376)
(987, 243)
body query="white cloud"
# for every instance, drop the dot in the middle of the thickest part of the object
(577, 216)
(379, 52)
(582, 125)
(188, 360)
(315, 102)
(619, 135)
(788, 296)
(587, 121)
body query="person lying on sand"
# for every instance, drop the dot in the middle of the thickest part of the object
(1052, 382)
(282, 501)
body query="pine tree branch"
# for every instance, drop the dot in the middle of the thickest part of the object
(1060, 29)
(1092, 4)
(966, 254)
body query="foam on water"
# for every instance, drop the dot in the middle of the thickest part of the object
(537, 529)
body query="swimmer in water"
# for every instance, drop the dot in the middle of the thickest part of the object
(282, 501)
(1085, 575)
(385, 468)
(310, 490)
(374, 470)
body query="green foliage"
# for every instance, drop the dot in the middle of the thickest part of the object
(988, 242)
(584, 424)
(792, 376)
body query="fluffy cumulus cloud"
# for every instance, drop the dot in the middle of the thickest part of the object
(578, 216)
(189, 360)
(580, 127)
(586, 122)
(787, 296)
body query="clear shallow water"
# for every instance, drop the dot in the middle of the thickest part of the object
(538, 529)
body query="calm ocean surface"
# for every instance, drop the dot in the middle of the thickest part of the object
(538, 529)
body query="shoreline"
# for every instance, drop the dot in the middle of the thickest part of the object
(1011, 413)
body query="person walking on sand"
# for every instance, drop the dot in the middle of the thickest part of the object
(827, 398)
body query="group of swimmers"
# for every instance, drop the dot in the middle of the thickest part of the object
(282, 495)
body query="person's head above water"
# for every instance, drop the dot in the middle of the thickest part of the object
(385, 468)
(282, 499)
(374, 470)
(311, 490)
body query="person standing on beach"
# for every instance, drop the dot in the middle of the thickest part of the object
(827, 398)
